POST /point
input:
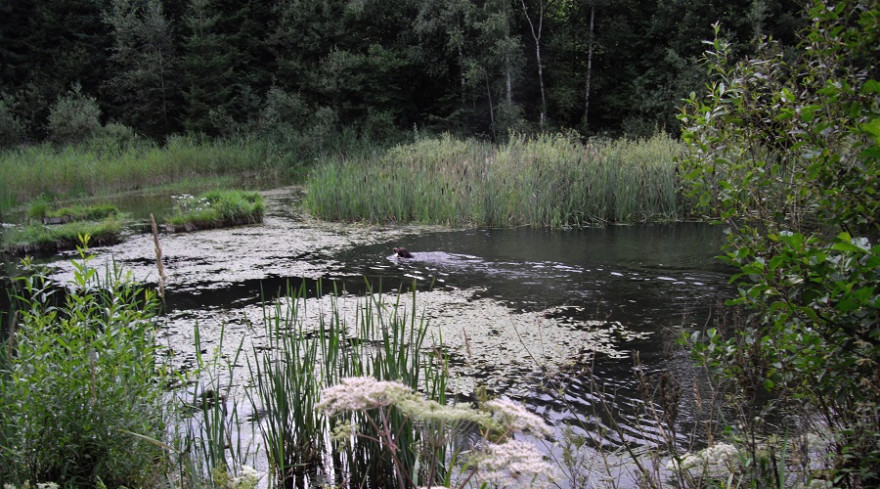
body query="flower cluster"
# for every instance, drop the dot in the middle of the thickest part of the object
(513, 464)
(515, 417)
(187, 202)
(500, 460)
(718, 458)
(362, 393)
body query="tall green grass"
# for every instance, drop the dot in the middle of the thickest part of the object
(88, 170)
(381, 339)
(546, 181)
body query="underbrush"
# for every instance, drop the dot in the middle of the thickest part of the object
(81, 394)
(545, 181)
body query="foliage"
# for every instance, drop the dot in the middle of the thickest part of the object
(74, 117)
(11, 128)
(787, 155)
(79, 386)
(462, 66)
(217, 208)
(546, 181)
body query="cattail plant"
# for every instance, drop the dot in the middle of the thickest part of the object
(542, 181)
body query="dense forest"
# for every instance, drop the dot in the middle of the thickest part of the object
(475, 67)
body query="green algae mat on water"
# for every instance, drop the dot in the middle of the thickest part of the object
(216, 209)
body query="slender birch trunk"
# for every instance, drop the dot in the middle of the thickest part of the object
(536, 35)
(589, 69)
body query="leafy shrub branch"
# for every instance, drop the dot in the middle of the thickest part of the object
(786, 154)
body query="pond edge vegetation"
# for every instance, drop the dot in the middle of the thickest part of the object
(801, 204)
(61, 229)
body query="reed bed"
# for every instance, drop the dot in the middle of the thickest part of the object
(76, 171)
(547, 181)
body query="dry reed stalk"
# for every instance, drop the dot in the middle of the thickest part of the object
(162, 276)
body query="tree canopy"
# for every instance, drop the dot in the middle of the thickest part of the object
(476, 67)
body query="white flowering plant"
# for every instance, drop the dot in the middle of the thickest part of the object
(497, 460)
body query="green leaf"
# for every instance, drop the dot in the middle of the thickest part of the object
(873, 128)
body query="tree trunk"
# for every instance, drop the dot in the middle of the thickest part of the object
(536, 35)
(589, 69)
(491, 109)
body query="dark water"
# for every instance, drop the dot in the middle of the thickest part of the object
(655, 279)
(658, 279)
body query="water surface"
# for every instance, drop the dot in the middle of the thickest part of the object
(554, 319)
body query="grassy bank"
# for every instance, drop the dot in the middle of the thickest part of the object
(547, 181)
(87, 170)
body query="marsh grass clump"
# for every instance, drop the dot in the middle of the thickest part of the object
(79, 385)
(308, 351)
(544, 181)
(216, 209)
(41, 210)
(37, 238)
(100, 168)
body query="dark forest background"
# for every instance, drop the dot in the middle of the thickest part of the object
(222, 68)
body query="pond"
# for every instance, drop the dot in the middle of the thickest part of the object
(554, 319)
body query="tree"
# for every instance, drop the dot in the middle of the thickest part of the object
(47, 46)
(787, 154)
(74, 117)
(209, 78)
(487, 57)
(143, 86)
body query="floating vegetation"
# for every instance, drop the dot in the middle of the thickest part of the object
(216, 209)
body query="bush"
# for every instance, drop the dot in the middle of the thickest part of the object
(787, 155)
(74, 117)
(78, 387)
(11, 129)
